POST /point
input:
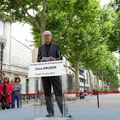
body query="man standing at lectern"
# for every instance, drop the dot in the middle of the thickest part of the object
(49, 52)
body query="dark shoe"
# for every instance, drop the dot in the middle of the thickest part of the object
(69, 115)
(50, 115)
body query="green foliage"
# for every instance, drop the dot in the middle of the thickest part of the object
(5, 18)
(84, 31)
(114, 38)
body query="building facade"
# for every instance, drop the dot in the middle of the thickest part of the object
(16, 57)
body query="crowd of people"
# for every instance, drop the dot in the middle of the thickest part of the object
(10, 92)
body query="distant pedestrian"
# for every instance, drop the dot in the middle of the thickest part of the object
(12, 83)
(6, 91)
(16, 92)
(2, 75)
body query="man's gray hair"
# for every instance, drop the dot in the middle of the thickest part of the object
(47, 32)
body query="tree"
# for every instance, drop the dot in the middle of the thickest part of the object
(24, 11)
(77, 25)
(114, 38)
(37, 12)
(58, 18)
(83, 33)
(103, 64)
(5, 18)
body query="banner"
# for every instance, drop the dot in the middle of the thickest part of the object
(44, 69)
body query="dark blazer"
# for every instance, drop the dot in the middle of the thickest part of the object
(54, 52)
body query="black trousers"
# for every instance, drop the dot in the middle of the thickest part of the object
(5, 105)
(48, 83)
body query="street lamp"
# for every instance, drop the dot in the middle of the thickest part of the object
(2, 43)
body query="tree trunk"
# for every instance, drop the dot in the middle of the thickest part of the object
(119, 65)
(42, 29)
(43, 20)
(77, 80)
(90, 78)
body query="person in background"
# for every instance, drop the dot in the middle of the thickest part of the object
(16, 92)
(12, 83)
(6, 90)
(2, 75)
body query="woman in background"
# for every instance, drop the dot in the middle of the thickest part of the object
(6, 90)
(16, 92)
(12, 83)
(2, 76)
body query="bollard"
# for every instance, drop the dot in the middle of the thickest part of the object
(82, 96)
(98, 105)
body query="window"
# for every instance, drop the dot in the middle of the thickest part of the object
(1, 28)
(82, 80)
(1, 52)
(81, 72)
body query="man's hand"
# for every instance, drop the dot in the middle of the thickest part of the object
(52, 59)
(42, 60)
(45, 59)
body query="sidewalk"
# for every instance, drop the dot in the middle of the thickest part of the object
(80, 110)
(77, 113)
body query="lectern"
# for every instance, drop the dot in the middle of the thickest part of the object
(47, 69)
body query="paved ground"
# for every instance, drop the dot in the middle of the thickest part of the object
(105, 101)
(80, 109)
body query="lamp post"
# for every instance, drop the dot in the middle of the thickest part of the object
(1, 56)
(2, 43)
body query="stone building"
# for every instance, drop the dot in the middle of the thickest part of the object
(16, 56)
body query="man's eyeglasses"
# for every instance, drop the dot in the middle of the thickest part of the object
(47, 35)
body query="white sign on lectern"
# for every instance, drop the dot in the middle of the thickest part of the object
(44, 69)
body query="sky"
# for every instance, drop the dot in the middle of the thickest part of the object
(22, 32)
(104, 2)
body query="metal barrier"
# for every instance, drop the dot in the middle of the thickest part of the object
(27, 98)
